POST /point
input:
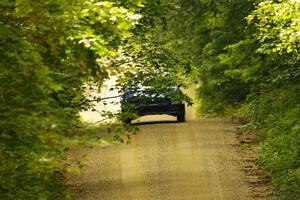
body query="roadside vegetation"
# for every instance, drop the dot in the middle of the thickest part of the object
(48, 50)
(244, 54)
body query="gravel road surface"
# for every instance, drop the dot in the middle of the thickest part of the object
(195, 160)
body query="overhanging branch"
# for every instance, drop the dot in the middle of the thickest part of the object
(95, 100)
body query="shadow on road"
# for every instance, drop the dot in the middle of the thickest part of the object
(154, 122)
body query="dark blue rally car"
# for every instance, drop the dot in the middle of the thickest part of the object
(143, 101)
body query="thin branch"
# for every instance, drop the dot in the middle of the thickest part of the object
(70, 77)
(102, 120)
(95, 100)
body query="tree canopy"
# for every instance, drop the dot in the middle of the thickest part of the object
(243, 54)
(48, 50)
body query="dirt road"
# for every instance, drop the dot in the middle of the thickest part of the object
(195, 160)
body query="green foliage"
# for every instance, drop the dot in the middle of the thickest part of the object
(275, 116)
(277, 26)
(148, 60)
(154, 67)
(48, 49)
(206, 32)
(245, 55)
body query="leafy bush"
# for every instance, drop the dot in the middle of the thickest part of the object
(48, 50)
(246, 58)
(275, 116)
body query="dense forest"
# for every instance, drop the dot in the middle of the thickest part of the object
(244, 55)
